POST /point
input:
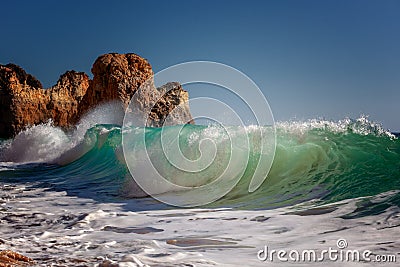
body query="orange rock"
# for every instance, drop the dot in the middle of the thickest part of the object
(10, 258)
(24, 102)
(116, 76)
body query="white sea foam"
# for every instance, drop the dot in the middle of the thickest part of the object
(106, 233)
(362, 126)
(50, 144)
(46, 143)
(40, 143)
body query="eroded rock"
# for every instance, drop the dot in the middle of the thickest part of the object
(117, 77)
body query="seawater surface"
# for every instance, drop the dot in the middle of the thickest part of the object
(69, 199)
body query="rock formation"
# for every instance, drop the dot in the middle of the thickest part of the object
(173, 106)
(10, 258)
(24, 102)
(116, 76)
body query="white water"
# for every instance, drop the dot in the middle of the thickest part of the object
(55, 228)
(46, 143)
(362, 126)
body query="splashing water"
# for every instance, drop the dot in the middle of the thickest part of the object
(324, 160)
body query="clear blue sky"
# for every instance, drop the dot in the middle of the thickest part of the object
(311, 58)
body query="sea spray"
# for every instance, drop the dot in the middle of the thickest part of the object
(323, 160)
(46, 143)
(39, 143)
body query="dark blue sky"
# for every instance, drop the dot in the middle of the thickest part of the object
(311, 58)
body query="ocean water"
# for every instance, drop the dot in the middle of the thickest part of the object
(69, 198)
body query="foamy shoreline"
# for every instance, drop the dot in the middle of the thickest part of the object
(59, 230)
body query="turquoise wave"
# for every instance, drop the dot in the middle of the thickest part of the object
(319, 160)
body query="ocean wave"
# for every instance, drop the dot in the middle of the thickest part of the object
(317, 159)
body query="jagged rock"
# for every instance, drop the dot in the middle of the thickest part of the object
(23, 101)
(173, 97)
(116, 76)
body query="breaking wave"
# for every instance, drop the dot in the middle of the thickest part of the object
(318, 159)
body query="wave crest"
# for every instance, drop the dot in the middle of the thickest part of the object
(326, 160)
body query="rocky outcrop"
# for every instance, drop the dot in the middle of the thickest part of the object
(10, 258)
(24, 102)
(116, 76)
(172, 106)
